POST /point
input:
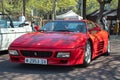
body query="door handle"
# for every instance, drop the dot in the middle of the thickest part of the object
(11, 30)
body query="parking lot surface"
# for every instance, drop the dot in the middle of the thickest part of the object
(102, 68)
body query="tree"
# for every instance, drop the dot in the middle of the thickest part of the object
(84, 9)
(102, 5)
(91, 6)
(12, 6)
(24, 7)
(2, 5)
(46, 6)
(118, 10)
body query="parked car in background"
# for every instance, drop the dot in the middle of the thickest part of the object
(10, 30)
(62, 42)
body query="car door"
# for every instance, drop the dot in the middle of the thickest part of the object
(10, 30)
(7, 34)
(95, 33)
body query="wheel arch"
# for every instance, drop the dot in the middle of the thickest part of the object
(91, 43)
(86, 63)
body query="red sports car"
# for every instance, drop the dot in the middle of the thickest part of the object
(61, 42)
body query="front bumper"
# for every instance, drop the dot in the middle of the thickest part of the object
(76, 56)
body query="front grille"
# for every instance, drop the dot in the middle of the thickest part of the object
(36, 53)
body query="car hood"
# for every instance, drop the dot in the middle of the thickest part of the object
(50, 40)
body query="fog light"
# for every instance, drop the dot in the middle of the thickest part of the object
(13, 52)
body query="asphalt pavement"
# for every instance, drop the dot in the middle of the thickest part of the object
(101, 68)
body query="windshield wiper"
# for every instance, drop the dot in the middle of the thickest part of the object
(56, 30)
(63, 30)
(41, 30)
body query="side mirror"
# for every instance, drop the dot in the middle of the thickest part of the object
(95, 30)
(36, 28)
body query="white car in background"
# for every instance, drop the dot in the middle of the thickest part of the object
(10, 30)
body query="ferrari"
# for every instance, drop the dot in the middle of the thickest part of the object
(62, 43)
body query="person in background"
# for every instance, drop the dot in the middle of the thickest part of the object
(105, 23)
(22, 18)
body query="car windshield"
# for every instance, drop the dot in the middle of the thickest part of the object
(70, 26)
(3, 21)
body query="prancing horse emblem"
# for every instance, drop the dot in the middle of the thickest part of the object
(35, 53)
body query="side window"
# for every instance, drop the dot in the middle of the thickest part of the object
(91, 25)
(77, 27)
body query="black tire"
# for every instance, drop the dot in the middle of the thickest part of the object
(108, 49)
(87, 54)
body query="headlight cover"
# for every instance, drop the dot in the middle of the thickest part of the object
(13, 52)
(63, 55)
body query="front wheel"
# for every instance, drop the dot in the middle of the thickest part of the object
(87, 54)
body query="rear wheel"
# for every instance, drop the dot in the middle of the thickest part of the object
(108, 49)
(87, 55)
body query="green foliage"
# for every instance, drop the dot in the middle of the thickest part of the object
(114, 4)
(92, 5)
(14, 6)
(46, 6)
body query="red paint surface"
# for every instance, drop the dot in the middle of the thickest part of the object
(54, 42)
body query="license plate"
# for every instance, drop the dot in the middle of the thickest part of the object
(35, 61)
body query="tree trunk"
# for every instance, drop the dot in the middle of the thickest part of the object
(84, 9)
(24, 7)
(102, 4)
(118, 10)
(99, 16)
(118, 16)
(2, 2)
